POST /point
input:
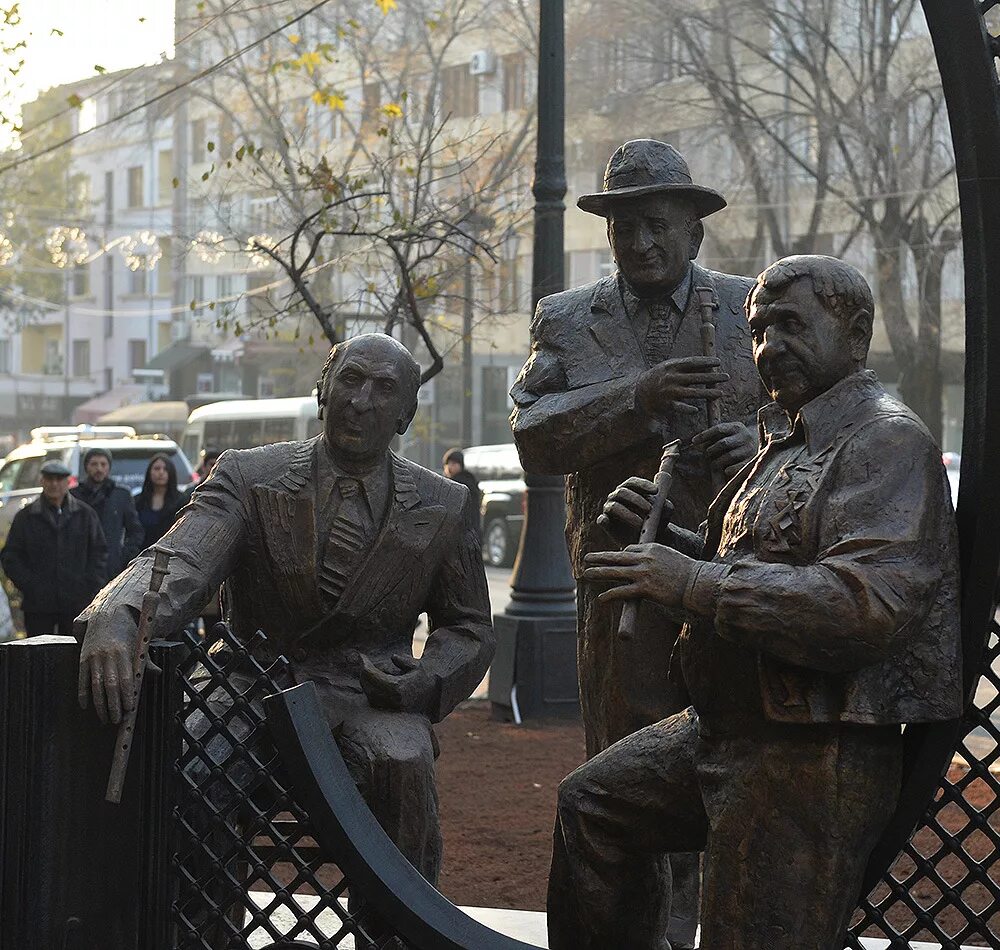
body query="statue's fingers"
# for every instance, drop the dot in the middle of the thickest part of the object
(686, 408)
(712, 434)
(732, 443)
(616, 514)
(112, 694)
(126, 680)
(707, 379)
(620, 572)
(626, 592)
(695, 392)
(612, 557)
(630, 499)
(734, 458)
(97, 688)
(642, 485)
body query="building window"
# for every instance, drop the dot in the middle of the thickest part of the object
(109, 197)
(53, 359)
(515, 78)
(509, 296)
(197, 296)
(198, 140)
(165, 177)
(81, 280)
(5, 356)
(137, 281)
(459, 91)
(81, 357)
(496, 428)
(135, 187)
(265, 390)
(136, 355)
(205, 383)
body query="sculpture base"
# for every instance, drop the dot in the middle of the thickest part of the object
(534, 669)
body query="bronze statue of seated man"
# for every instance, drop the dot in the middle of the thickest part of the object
(332, 547)
(821, 605)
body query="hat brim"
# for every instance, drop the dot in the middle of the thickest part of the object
(706, 201)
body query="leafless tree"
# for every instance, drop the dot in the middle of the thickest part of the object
(836, 128)
(358, 133)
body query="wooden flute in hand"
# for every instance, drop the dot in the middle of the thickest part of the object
(123, 743)
(651, 527)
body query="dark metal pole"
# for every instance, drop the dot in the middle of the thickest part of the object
(543, 579)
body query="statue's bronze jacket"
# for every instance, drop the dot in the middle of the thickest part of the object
(574, 407)
(252, 525)
(847, 598)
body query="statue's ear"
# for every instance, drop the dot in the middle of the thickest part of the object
(697, 235)
(860, 335)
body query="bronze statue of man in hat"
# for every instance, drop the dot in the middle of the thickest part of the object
(616, 370)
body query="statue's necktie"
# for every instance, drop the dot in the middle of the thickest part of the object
(664, 322)
(350, 537)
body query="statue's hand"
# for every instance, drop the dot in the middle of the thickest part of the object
(728, 447)
(106, 671)
(648, 571)
(411, 689)
(627, 507)
(667, 385)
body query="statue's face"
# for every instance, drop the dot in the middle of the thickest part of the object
(651, 241)
(366, 402)
(800, 348)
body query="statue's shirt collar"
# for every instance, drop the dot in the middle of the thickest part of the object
(821, 418)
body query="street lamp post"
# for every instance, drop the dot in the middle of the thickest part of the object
(534, 672)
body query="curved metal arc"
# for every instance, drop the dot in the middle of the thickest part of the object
(969, 82)
(344, 826)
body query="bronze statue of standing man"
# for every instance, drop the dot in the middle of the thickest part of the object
(616, 370)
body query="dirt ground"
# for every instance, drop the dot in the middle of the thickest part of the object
(497, 784)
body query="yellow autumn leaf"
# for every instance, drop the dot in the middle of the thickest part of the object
(336, 102)
(392, 110)
(294, 38)
(386, 5)
(319, 97)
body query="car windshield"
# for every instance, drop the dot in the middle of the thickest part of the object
(129, 468)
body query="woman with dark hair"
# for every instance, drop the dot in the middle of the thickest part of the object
(159, 499)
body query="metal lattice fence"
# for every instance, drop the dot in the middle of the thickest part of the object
(247, 872)
(945, 886)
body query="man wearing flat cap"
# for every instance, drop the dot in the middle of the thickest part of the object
(616, 370)
(55, 555)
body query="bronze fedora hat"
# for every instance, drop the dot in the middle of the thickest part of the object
(647, 167)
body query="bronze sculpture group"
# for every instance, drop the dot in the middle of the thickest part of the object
(800, 605)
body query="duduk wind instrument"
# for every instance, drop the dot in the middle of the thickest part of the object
(651, 527)
(708, 306)
(123, 743)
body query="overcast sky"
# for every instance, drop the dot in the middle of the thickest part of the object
(104, 33)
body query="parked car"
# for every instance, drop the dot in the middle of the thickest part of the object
(501, 480)
(20, 473)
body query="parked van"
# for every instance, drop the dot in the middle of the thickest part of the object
(246, 423)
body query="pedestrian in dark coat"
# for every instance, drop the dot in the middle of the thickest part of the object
(115, 506)
(55, 555)
(159, 499)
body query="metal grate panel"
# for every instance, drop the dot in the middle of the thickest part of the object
(945, 886)
(246, 870)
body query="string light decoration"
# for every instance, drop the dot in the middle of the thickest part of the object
(208, 245)
(259, 258)
(6, 249)
(142, 251)
(67, 247)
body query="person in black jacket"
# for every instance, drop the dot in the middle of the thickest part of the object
(159, 499)
(114, 506)
(55, 555)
